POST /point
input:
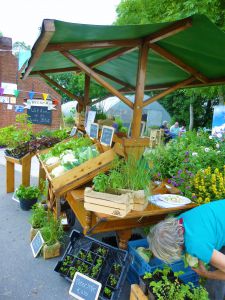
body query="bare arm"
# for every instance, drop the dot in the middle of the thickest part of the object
(218, 261)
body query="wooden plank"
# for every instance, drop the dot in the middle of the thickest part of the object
(42, 176)
(86, 90)
(178, 62)
(26, 165)
(62, 89)
(10, 176)
(92, 45)
(120, 213)
(140, 86)
(40, 45)
(136, 293)
(91, 73)
(118, 199)
(168, 91)
(170, 30)
(107, 203)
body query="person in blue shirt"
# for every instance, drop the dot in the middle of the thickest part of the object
(199, 232)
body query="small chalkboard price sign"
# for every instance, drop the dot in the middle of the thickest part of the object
(40, 115)
(107, 135)
(37, 243)
(73, 131)
(94, 128)
(84, 288)
(80, 134)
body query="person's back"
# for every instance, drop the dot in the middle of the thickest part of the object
(174, 129)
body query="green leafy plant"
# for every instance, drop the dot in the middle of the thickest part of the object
(117, 268)
(82, 254)
(52, 231)
(28, 193)
(112, 280)
(39, 216)
(90, 257)
(101, 182)
(108, 292)
(72, 272)
(102, 251)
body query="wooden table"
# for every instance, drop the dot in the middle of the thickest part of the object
(93, 222)
(25, 161)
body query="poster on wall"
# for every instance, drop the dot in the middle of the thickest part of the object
(4, 99)
(19, 108)
(218, 124)
(9, 88)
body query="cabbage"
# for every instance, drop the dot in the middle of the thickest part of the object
(52, 160)
(60, 170)
(191, 260)
(67, 158)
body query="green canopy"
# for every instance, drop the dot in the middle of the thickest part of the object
(177, 50)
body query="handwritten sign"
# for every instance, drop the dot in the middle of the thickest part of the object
(94, 130)
(84, 288)
(73, 131)
(37, 243)
(107, 135)
(40, 115)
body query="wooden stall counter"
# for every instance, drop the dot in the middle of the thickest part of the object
(93, 222)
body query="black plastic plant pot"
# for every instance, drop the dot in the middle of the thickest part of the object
(26, 204)
(99, 249)
(108, 295)
(112, 281)
(116, 269)
(62, 270)
(68, 259)
(91, 257)
(95, 272)
(82, 254)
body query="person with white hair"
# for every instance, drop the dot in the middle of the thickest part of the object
(199, 232)
(167, 134)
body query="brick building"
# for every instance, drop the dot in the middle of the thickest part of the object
(9, 74)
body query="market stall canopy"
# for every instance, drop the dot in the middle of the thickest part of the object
(192, 46)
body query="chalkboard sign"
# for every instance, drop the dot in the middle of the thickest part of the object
(84, 288)
(40, 115)
(73, 131)
(80, 134)
(94, 131)
(37, 243)
(107, 135)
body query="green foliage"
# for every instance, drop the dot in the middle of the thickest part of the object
(157, 11)
(28, 193)
(58, 133)
(6, 135)
(107, 292)
(52, 231)
(125, 174)
(39, 216)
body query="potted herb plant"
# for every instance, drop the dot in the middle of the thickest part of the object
(28, 196)
(38, 219)
(52, 233)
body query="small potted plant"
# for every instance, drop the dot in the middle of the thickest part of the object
(38, 219)
(52, 233)
(28, 196)
(107, 292)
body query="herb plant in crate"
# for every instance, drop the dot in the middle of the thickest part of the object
(52, 233)
(27, 196)
(66, 264)
(107, 292)
(96, 269)
(38, 219)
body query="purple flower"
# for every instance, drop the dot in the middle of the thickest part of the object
(158, 174)
(169, 181)
(186, 153)
(179, 172)
(194, 196)
(188, 187)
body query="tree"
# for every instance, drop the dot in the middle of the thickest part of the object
(20, 46)
(156, 11)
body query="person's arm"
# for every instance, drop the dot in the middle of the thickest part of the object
(217, 261)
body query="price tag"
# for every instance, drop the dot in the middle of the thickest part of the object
(37, 243)
(94, 131)
(107, 135)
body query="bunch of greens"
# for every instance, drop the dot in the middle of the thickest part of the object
(28, 193)
(52, 231)
(39, 216)
(125, 174)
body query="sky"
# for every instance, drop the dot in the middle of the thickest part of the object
(21, 19)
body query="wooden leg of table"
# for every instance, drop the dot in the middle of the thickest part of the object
(26, 172)
(42, 177)
(88, 217)
(123, 237)
(10, 177)
(58, 207)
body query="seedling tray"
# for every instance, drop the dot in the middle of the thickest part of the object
(110, 256)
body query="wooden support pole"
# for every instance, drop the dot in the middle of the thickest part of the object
(140, 87)
(10, 174)
(168, 91)
(86, 90)
(98, 78)
(65, 91)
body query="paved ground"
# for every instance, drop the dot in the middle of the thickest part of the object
(22, 276)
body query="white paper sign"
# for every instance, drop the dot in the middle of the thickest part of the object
(38, 102)
(9, 88)
(9, 106)
(4, 99)
(90, 119)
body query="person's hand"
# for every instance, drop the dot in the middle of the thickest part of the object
(201, 270)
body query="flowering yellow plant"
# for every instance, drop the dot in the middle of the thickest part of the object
(208, 185)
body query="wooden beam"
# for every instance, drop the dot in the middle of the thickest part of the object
(170, 30)
(96, 77)
(65, 91)
(123, 83)
(178, 62)
(53, 71)
(168, 91)
(140, 87)
(42, 42)
(86, 90)
(111, 56)
(92, 44)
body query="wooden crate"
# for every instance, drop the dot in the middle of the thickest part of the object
(110, 204)
(138, 200)
(136, 293)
